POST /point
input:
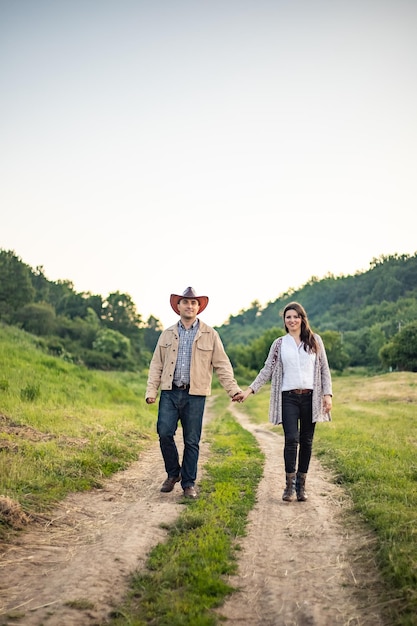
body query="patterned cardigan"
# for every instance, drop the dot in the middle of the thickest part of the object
(272, 371)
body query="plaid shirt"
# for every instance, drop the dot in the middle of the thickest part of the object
(182, 368)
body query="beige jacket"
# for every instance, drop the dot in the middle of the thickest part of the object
(208, 354)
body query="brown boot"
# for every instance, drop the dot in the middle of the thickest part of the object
(169, 483)
(289, 490)
(300, 487)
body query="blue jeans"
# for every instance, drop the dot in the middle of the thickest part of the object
(174, 406)
(298, 431)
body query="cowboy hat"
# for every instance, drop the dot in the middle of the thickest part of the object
(188, 293)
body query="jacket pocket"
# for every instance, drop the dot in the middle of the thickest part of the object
(204, 353)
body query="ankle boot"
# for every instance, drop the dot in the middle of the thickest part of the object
(289, 490)
(300, 487)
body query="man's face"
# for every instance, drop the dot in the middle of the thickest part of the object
(188, 308)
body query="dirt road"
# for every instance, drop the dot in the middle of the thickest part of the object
(301, 565)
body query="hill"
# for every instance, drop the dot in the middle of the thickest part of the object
(366, 319)
(366, 310)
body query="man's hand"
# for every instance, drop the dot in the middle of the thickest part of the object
(150, 400)
(242, 395)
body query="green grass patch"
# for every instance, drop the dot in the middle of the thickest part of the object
(371, 447)
(185, 576)
(63, 428)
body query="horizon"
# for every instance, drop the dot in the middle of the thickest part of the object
(263, 305)
(240, 148)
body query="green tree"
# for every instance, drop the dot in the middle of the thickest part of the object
(92, 318)
(401, 352)
(16, 288)
(151, 333)
(252, 356)
(376, 339)
(120, 314)
(60, 291)
(40, 284)
(37, 318)
(94, 302)
(259, 348)
(336, 355)
(112, 343)
(76, 331)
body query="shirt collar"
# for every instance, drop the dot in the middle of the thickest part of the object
(193, 325)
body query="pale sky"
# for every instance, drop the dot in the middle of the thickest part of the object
(238, 146)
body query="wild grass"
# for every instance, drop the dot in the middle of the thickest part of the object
(63, 428)
(371, 447)
(185, 576)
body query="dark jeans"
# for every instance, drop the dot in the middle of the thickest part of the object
(174, 406)
(298, 430)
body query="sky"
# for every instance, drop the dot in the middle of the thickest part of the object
(241, 147)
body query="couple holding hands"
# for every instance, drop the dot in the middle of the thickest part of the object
(182, 367)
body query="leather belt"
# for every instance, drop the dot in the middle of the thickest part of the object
(300, 392)
(174, 386)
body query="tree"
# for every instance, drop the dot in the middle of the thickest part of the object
(16, 288)
(401, 352)
(40, 284)
(151, 334)
(59, 293)
(120, 314)
(258, 349)
(336, 355)
(37, 318)
(252, 357)
(376, 339)
(112, 343)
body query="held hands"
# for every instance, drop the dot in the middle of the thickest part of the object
(242, 395)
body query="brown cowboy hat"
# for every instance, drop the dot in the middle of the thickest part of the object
(191, 294)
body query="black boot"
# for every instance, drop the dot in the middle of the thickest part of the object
(289, 490)
(300, 487)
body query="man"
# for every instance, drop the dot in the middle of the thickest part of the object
(182, 366)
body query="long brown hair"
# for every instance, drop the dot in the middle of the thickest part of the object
(307, 335)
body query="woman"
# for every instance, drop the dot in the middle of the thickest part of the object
(301, 393)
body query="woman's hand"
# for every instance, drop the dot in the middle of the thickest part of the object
(241, 397)
(327, 403)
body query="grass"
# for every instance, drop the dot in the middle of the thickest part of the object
(371, 444)
(184, 579)
(63, 428)
(371, 447)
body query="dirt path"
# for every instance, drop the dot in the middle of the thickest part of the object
(86, 553)
(300, 566)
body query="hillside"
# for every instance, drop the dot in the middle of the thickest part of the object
(385, 293)
(361, 315)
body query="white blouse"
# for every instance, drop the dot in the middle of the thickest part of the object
(297, 364)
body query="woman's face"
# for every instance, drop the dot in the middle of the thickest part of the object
(292, 320)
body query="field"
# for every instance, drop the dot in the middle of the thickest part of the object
(371, 448)
(65, 429)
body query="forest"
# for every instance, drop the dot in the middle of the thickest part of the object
(368, 319)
